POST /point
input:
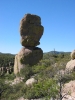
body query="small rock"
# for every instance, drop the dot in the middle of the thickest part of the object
(31, 81)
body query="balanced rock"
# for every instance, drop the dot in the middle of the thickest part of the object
(31, 30)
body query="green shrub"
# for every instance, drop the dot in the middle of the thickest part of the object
(38, 68)
(13, 92)
(68, 77)
(45, 88)
(26, 72)
(10, 76)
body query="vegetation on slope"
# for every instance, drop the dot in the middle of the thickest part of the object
(5, 59)
(44, 72)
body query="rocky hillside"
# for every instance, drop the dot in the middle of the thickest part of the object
(43, 75)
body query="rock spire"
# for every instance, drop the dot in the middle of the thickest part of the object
(31, 32)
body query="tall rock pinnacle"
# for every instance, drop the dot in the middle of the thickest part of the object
(31, 31)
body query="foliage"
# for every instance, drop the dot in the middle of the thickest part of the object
(44, 88)
(4, 88)
(26, 72)
(45, 72)
(12, 92)
(38, 68)
(68, 77)
(10, 76)
(5, 59)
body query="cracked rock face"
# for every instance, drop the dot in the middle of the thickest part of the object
(31, 30)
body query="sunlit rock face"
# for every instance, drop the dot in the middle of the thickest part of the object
(31, 32)
(73, 55)
(71, 64)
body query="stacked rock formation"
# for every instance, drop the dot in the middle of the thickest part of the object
(71, 64)
(31, 31)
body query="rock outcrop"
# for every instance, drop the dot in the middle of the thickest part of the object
(31, 31)
(69, 90)
(73, 55)
(71, 64)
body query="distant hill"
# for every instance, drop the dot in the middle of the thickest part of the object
(56, 52)
(7, 53)
(51, 52)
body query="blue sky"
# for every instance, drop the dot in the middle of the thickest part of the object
(57, 17)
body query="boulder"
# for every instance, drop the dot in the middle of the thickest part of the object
(73, 55)
(31, 81)
(31, 30)
(27, 56)
(69, 90)
(70, 65)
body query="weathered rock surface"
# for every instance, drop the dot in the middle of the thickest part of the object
(16, 69)
(31, 30)
(30, 55)
(31, 81)
(26, 56)
(73, 55)
(18, 65)
(69, 90)
(17, 80)
(70, 65)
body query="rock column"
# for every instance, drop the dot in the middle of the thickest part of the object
(31, 31)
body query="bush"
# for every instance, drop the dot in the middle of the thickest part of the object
(45, 88)
(13, 92)
(38, 68)
(68, 77)
(10, 76)
(26, 72)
